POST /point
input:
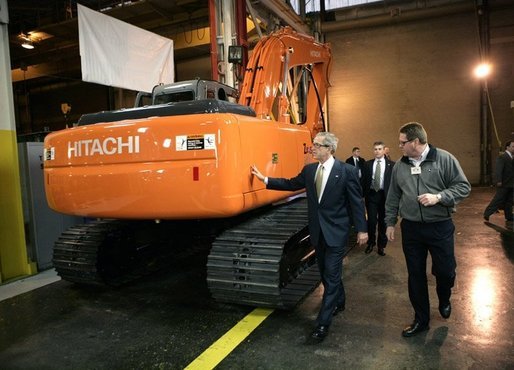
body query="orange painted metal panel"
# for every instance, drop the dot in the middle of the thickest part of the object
(140, 169)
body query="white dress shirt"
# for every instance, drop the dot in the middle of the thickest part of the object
(417, 161)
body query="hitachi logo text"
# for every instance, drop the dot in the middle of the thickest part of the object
(107, 146)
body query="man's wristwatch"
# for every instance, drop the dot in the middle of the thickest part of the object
(439, 196)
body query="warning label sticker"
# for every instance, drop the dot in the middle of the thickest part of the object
(195, 142)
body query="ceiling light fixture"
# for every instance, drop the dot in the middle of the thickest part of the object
(26, 41)
(27, 44)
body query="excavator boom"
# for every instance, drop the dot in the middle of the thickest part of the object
(277, 66)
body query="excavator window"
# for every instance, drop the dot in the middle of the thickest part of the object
(174, 97)
(299, 95)
(298, 86)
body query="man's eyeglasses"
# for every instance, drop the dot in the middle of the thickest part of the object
(402, 143)
(318, 145)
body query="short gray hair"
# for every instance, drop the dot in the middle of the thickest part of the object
(329, 139)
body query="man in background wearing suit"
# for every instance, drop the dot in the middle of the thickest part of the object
(356, 160)
(386, 152)
(504, 178)
(333, 196)
(377, 177)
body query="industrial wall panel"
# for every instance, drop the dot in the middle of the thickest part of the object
(42, 225)
(386, 76)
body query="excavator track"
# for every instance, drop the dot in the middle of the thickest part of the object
(112, 252)
(265, 261)
(75, 253)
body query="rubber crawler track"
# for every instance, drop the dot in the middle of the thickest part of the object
(112, 252)
(266, 261)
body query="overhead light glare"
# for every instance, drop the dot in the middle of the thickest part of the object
(27, 44)
(483, 70)
(26, 40)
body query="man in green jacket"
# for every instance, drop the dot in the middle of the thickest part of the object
(426, 184)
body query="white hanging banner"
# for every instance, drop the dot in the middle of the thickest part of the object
(115, 53)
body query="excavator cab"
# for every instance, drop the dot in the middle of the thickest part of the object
(187, 91)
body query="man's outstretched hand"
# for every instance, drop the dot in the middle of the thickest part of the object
(254, 170)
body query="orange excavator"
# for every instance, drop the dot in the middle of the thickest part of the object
(162, 179)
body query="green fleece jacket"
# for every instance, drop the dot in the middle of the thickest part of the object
(440, 174)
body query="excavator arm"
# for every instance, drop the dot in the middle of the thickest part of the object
(287, 78)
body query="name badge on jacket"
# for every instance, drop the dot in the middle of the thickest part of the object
(416, 170)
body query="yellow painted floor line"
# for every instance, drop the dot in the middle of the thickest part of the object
(220, 349)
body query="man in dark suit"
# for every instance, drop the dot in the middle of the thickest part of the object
(504, 178)
(356, 160)
(377, 177)
(386, 152)
(333, 197)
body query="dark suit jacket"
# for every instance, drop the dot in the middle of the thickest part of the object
(340, 203)
(368, 176)
(362, 167)
(504, 172)
(362, 162)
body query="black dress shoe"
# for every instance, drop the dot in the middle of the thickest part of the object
(414, 329)
(486, 218)
(320, 333)
(445, 310)
(381, 252)
(338, 308)
(369, 248)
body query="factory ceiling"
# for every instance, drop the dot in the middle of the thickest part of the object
(52, 28)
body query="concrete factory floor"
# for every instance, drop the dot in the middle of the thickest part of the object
(166, 321)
